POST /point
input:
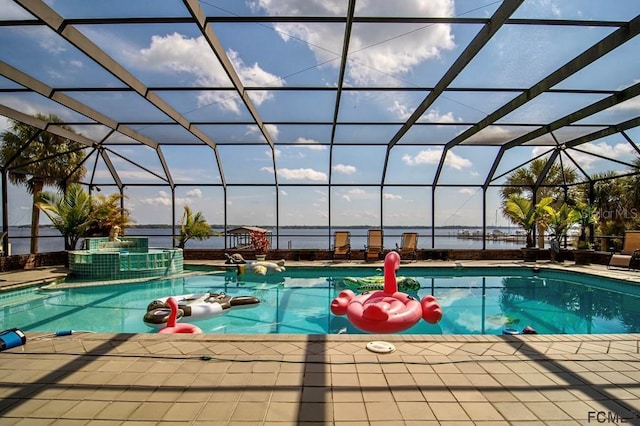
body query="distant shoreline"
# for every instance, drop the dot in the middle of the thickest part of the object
(217, 226)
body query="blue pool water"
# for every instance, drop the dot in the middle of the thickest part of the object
(474, 301)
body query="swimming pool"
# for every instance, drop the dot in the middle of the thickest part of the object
(474, 301)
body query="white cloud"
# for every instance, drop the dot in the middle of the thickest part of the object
(252, 129)
(194, 175)
(276, 151)
(136, 175)
(467, 191)
(426, 156)
(357, 194)
(194, 193)
(273, 131)
(432, 156)
(619, 151)
(163, 198)
(390, 196)
(344, 169)
(376, 50)
(492, 135)
(455, 161)
(539, 150)
(297, 7)
(551, 7)
(178, 53)
(254, 75)
(632, 104)
(310, 144)
(307, 174)
(33, 108)
(299, 174)
(432, 116)
(400, 110)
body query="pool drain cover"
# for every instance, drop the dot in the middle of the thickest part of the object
(381, 347)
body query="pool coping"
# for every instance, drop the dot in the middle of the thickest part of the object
(219, 267)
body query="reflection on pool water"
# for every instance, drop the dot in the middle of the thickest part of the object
(474, 301)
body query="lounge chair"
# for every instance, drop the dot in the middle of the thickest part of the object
(409, 246)
(630, 252)
(374, 246)
(342, 245)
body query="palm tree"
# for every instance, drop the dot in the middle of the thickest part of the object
(521, 211)
(193, 226)
(610, 197)
(522, 180)
(560, 220)
(106, 214)
(614, 199)
(69, 212)
(586, 215)
(37, 158)
(633, 185)
(78, 214)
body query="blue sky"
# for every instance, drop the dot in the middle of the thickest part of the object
(307, 57)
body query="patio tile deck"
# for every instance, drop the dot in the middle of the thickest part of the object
(84, 382)
(281, 380)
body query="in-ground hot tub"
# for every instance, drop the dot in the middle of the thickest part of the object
(129, 258)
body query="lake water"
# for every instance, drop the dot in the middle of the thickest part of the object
(288, 238)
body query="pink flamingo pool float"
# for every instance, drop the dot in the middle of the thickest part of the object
(173, 327)
(388, 310)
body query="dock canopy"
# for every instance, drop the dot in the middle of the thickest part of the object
(240, 237)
